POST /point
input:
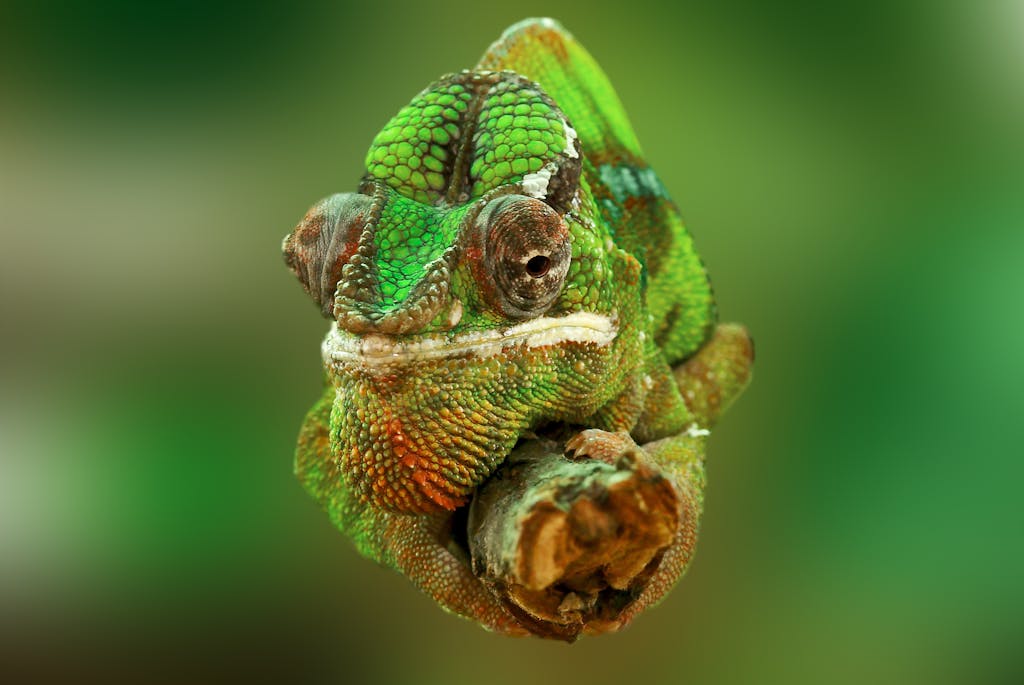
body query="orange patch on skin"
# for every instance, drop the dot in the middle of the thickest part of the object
(442, 500)
(423, 477)
(396, 437)
(398, 445)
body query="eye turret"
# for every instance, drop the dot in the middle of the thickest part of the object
(324, 241)
(526, 255)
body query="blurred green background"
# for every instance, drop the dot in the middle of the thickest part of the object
(853, 174)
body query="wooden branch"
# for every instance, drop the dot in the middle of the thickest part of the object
(566, 544)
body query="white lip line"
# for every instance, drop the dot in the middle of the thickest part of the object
(582, 327)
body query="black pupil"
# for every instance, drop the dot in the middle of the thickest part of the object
(538, 265)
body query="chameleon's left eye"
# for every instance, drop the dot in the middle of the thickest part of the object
(526, 255)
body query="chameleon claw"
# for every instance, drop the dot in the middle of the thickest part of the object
(617, 449)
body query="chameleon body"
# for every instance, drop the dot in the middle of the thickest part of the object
(509, 261)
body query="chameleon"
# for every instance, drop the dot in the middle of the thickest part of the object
(509, 261)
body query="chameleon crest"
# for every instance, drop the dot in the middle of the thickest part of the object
(509, 262)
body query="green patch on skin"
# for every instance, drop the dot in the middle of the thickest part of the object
(409, 236)
(412, 152)
(574, 80)
(504, 126)
(515, 127)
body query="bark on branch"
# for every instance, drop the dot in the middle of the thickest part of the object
(566, 544)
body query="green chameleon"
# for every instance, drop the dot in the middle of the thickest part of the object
(509, 261)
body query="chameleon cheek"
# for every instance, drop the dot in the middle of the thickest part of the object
(420, 438)
(419, 434)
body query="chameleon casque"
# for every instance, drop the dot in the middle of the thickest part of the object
(510, 261)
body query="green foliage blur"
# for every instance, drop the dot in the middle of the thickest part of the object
(852, 173)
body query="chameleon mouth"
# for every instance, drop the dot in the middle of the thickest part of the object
(545, 331)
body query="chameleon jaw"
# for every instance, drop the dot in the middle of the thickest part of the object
(340, 347)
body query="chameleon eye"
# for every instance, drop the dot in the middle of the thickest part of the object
(526, 255)
(538, 265)
(323, 242)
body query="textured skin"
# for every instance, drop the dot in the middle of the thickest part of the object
(510, 261)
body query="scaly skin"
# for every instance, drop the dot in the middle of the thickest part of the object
(510, 261)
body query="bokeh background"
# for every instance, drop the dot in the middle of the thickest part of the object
(853, 175)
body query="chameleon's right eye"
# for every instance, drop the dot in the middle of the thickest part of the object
(323, 242)
(526, 254)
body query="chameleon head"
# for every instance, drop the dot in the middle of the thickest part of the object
(475, 292)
